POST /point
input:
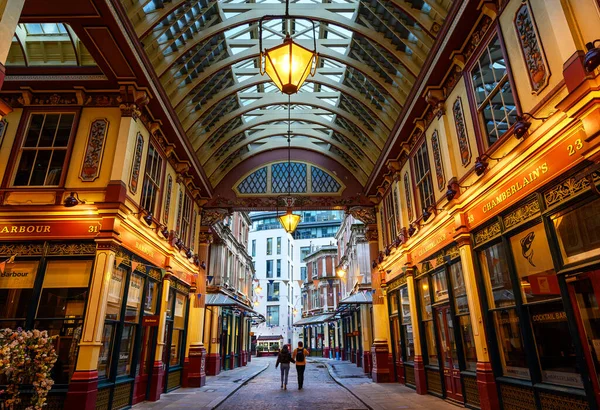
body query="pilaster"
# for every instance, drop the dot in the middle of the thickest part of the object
(420, 378)
(158, 370)
(83, 388)
(486, 383)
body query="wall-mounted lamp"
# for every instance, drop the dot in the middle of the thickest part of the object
(179, 243)
(522, 125)
(189, 253)
(427, 212)
(451, 192)
(591, 61)
(72, 200)
(481, 164)
(148, 219)
(203, 265)
(165, 232)
(411, 230)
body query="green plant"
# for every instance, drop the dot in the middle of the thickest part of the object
(26, 357)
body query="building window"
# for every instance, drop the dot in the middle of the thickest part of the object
(279, 245)
(269, 246)
(278, 268)
(272, 315)
(390, 217)
(503, 310)
(427, 317)
(185, 221)
(304, 251)
(43, 153)
(407, 330)
(152, 181)
(423, 176)
(273, 292)
(303, 272)
(493, 92)
(292, 252)
(253, 247)
(314, 269)
(270, 269)
(461, 309)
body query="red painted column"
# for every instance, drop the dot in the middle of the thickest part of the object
(157, 381)
(367, 362)
(326, 352)
(83, 390)
(400, 371)
(213, 364)
(196, 374)
(379, 357)
(420, 377)
(486, 385)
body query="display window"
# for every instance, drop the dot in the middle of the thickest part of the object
(533, 263)
(440, 286)
(578, 232)
(16, 291)
(558, 360)
(407, 330)
(510, 342)
(461, 311)
(496, 276)
(48, 293)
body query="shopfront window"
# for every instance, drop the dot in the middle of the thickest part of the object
(496, 275)
(533, 262)
(425, 298)
(468, 341)
(461, 304)
(555, 348)
(440, 286)
(134, 298)
(60, 311)
(126, 350)
(16, 290)
(116, 287)
(177, 339)
(407, 330)
(578, 232)
(151, 298)
(431, 343)
(510, 342)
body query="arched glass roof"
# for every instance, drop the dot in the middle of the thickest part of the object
(205, 54)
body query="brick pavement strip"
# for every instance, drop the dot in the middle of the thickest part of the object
(381, 396)
(216, 391)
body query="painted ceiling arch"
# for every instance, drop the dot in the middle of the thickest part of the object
(205, 54)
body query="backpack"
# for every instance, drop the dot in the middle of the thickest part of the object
(300, 355)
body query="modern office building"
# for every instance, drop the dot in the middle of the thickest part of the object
(278, 262)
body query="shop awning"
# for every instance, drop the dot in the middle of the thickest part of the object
(358, 298)
(264, 338)
(313, 320)
(222, 300)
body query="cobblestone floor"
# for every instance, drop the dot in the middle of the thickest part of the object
(320, 391)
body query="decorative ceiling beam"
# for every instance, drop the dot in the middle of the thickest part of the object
(319, 13)
(309, 118)
(178, 95)
(212, 163)
(219, 174)
(377, 135)
(421, 18)
(188, 114)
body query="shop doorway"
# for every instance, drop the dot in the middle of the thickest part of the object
(585, 295)
(146, 361)
(449, 355)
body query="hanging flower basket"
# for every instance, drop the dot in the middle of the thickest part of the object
(26, 357)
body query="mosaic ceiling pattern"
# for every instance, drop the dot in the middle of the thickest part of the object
(205, 54)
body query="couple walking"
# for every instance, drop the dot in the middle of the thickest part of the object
(285, 358)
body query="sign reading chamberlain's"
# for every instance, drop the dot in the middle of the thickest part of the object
(46, 229)
(534, 174)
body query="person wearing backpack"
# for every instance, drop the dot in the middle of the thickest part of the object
(299, 356)
(284, 358)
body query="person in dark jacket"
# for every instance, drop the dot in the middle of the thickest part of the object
(284, 358)
(300, 354)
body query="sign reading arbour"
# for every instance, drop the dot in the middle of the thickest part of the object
(26, 357)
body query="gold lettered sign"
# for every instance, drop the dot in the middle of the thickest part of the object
(49, 229)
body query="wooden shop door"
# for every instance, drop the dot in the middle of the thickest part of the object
(449, 360)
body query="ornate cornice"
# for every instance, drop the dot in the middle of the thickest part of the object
(365, 214)
(211, 216)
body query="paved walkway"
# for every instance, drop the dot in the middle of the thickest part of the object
(320, 392)
(217, 389)
(380, 396)
(328, 385)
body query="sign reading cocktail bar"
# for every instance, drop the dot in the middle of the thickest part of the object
(49, 229)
